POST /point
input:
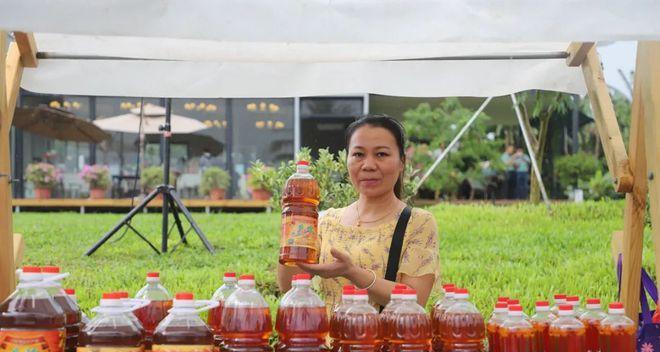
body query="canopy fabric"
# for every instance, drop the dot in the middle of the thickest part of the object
(263, 48)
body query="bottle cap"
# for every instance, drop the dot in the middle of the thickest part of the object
(70, 291)
(350, 287)
(560, 297)
(153, 274)
(542, 304)
(50, 269)
(303, 163)
(574, 300)
(110, 295)
(513, 302)
(515, 308)
(616, 308)
(503, 299)
(397, 291)
(410, 292)
(565, 309)
(184, 296)
(31, 269)
(462, 293)
(593, 301)
(401, 286)
(361, 292)
(246, 277)
(229, 276)
(501, 307)
(122, 294)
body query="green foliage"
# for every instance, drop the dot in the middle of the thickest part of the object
(43, 175)
(437, 127)
(98, 176)
(601, 187)
(152, 176)
(261, 175)
(517, 251)
(329, 170)
(576, 169)
(213, 178)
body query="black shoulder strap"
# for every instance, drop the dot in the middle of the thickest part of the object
(397, 244)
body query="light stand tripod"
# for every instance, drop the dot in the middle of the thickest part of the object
(171, 201)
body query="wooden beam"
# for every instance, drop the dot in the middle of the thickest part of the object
(28, 48)
(6, 233)
(577, 52)
(647, 73)
(635, 210)
(13, 74)
(19, 249)
(606, 123)
(616, 246)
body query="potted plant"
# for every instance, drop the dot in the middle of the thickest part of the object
(151, 177)
(98, 178)
(260, 178)
(45, 177)
(214, 182)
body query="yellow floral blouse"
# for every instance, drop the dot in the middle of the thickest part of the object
(369, 248)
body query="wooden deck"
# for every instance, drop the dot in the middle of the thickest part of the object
(82, 205)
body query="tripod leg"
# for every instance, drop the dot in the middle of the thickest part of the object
(123, 221)
(192, 222)
(165, 212)
(177, 220)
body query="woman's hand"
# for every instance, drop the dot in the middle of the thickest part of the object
(342, 266)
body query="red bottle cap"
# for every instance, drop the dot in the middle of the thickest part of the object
(515, 308)
(361, 292)
(450, 289)
(304, 277)
(31, 269)
(616, 305)
(462, 291)
(572, 299)
(542, 304)
(410, 291)
(184, 296)
(51, 269)
(397, 291)
(303, 162)
(122, 294)
(565, 307)
(560, 296)
(401, 286)
(503, 299)
(230, 274)
(593, 300)
(448, 285)
(153, 274)
(513, 302)
(501, 305)
(70, 291)
(110, 295)
(246, 277)
(349, 287)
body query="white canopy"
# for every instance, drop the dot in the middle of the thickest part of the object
(265, 48)
(154, 117)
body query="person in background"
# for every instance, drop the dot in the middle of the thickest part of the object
(204, 160)
(510, 172)
(521, 161)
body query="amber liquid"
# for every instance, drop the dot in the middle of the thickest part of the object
(568, 340)
(360, 332)
(110, 336)
(463, 332)
(178, 335)
(32, 314)
(73, 317)
(542, 336)
(517, 341)
(409, 332)
(150, 316)
(492, 330)
(591, 334)
(617, 339)
(336, 322)
(246, 329)
(385, 326)
(300, 198)
(436, 325)
(214, 319)
(303, 328)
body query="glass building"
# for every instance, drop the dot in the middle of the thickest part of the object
(239, 131)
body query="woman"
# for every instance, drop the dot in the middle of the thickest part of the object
(355, 240)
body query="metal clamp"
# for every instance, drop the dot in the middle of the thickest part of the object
(9, 178)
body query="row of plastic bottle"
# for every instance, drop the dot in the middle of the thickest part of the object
(564, 327)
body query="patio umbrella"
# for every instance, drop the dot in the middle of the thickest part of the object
(58, 124)
(154, 116)
(196, 143)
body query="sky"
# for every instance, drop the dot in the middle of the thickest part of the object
(615, 56)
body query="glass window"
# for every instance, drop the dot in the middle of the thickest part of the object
(262, 129)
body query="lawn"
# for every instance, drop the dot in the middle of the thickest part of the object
(518, 251)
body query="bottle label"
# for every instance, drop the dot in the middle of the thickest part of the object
(32, 340)
(300, 231)
(109, 349)
(182, 348)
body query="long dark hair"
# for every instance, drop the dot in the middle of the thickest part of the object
(394, 127)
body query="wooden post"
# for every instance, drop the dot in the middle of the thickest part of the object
(6, 232)
(11, 71)
(606, 123)
(633, 233)
(648, 75)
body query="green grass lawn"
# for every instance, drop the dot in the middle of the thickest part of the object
(518, 251)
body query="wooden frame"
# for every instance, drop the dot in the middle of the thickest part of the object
(630, 175)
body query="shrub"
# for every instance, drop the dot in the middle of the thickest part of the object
(213, 178)
(575, 170)
(97, 176)
(43, 175)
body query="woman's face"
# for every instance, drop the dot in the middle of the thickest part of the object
(373, 162)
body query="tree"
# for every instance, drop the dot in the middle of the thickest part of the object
(433, 128)
(545, 105)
